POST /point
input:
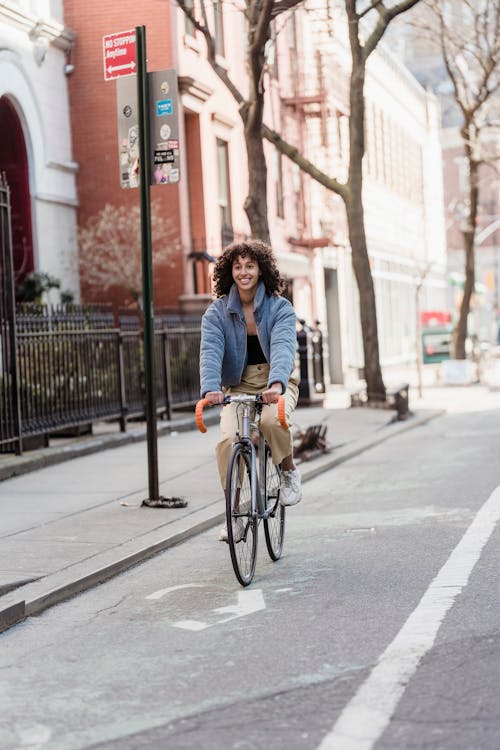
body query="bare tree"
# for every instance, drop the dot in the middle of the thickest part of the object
(367, 21)
(258, 14)
(110, 248)
(467, 33)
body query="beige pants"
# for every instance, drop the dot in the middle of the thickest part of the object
(254, 381)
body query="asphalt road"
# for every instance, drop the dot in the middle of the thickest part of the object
(380, 627)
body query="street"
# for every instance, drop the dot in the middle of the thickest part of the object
(346, 643)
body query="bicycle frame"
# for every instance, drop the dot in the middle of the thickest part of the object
(244, 437)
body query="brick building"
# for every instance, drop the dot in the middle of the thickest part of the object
(206, 207)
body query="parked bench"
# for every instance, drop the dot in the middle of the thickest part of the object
(309, 441)
(397, 397)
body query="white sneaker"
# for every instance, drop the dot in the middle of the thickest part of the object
(291, 487)
(238, 532)
(223, 534)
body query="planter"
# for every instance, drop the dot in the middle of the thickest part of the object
(458, 372)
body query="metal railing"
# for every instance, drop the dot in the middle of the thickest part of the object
(73, 367)
(9, 403)
(76, 368)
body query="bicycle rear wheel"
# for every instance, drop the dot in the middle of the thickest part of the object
(241, 523)
(274, 525)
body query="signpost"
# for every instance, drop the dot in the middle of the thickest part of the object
(119, 54)
(164, 153)
(165, 167)
(124, 55)
(128, 131)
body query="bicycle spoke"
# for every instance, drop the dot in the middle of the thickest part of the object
(241, 525)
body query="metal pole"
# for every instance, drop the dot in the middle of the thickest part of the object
(147, 272)
(154, 499)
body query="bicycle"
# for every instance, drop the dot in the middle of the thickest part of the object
(252, 493)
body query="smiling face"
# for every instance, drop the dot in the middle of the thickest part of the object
(246, 275)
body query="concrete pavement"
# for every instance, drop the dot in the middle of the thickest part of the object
(67, 526)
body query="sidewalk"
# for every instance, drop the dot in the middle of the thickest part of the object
(68, 526)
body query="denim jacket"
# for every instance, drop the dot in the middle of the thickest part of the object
(223, 352)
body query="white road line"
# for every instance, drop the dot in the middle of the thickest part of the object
(163, 592)
(368, 714)
(35, 737)
(194, 625)
(249, 601)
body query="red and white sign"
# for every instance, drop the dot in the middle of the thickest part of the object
(119, 54)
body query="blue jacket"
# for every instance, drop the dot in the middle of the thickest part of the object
(223, 353)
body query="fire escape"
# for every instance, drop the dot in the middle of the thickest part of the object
(318, 88)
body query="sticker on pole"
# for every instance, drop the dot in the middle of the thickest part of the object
(119, 54)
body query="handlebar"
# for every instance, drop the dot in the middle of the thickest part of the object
(238, 399)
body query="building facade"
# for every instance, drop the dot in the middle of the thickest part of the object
(307, 100)
(424, 58)
(403, 191)
(35, 141)
(206, 207)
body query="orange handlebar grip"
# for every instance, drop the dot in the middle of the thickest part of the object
(199, 415)
(281, 413)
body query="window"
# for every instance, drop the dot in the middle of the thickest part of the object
(224, 196)
(280, 210)
(272, 58)
(189, 29)
(219, 28)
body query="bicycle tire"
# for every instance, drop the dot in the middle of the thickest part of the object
(274, 525)
(241, 521)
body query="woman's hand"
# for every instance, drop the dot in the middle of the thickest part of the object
(214, 397)
(271, 395)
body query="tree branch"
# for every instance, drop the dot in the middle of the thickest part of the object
(373, 6)
(305, 165)
(283, 5)
(386, 15)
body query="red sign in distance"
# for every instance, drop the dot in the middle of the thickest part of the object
(119, 54)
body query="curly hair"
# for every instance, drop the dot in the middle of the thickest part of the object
(257, 251)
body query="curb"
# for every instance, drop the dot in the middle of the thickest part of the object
(35, 597)
(51, 456)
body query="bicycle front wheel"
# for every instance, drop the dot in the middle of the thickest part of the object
(274, 524)
(241, 522)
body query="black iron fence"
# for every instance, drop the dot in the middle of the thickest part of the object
(75, 368)
(310, 353)
(9, 404)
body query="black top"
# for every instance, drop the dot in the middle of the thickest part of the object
(254, 351)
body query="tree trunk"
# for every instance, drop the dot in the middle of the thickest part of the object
(355, 219)
(469, 238)
(259, 17)
(256, 201)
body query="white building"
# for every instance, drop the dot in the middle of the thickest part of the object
(403, 193)
(35, 141)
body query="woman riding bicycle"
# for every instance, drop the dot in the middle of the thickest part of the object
(248, 344)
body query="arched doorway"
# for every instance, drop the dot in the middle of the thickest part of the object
(14, 163)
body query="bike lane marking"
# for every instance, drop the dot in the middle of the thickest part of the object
(368, 713)
(249, 601)
(163, 592)
(35, 737)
